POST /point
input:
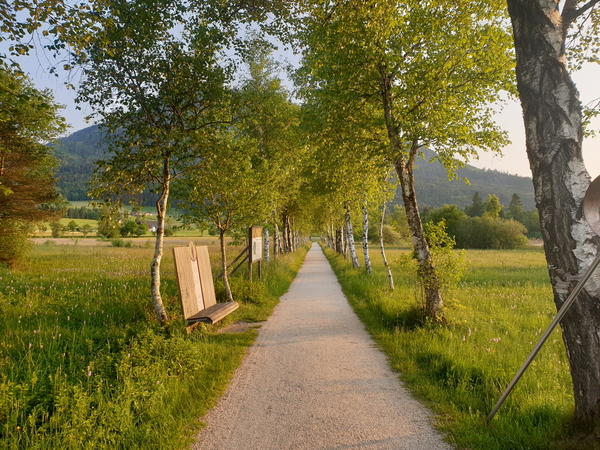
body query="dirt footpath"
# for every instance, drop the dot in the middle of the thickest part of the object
(315, 380)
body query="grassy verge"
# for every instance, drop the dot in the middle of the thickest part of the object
(496, 315)
(84, 365)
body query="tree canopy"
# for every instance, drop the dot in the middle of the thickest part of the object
(28, 119)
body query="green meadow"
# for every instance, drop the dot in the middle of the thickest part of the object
(83, 363)
(459, 370)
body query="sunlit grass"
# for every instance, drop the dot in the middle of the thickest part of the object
(83, 363)
(495, 316)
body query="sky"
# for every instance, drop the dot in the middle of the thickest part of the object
(514, 160)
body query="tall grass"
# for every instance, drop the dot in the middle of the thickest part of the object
(496, 314)
(83, 363)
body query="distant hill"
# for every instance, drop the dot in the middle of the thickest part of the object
(77, 154)
(435, 190)
(79, 151)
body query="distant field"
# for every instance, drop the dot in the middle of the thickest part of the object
(191, 233)
(79, 204)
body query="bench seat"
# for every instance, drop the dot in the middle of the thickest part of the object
(213, 313)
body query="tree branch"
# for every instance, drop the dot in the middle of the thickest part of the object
(570, 14)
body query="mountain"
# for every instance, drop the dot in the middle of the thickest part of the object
(435, 190)
(78, 152)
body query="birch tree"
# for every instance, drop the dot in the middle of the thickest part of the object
(425, 73)
(272, 119)
(237, 186)
(227, 191)
(554, 126)
(159, 98)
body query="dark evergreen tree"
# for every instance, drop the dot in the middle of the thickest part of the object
(476, 208)
(516, 210)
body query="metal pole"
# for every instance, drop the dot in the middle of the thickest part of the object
(561, 313)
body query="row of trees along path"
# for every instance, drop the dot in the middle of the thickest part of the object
(379, 87)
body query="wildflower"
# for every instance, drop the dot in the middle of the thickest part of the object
(464, 339)
(89, 371)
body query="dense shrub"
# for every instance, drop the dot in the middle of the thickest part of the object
(13, 242)
(117, 242)
(109, 227)
(488, 233)
(390, 236)
(452, 216)
(133, 228)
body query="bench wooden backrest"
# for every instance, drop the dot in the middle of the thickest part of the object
(194, 276)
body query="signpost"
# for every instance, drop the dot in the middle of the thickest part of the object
(255, 249)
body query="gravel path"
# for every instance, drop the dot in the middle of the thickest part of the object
(315, 380)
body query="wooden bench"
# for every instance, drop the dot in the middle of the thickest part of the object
(196, 287)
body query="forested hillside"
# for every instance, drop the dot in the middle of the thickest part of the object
(79, 151)
(77, 154)
(435, 190)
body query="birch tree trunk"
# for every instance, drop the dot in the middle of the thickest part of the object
(161, 211)
(333, 240)
(228, 293)
(351, 245)
(276, 242)
(293, 236)
(365, 239)
(404, 168)
(339, 241)
(552, 114)
(381, 246)
(286, 233)
(266, 249)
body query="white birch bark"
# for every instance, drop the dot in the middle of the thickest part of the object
(365, 240)
(382, 247)
(222, 246)
(552, 114)
(350, 238)
(161, 211)
(266, 248)
(276, 242)
(404, 165)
